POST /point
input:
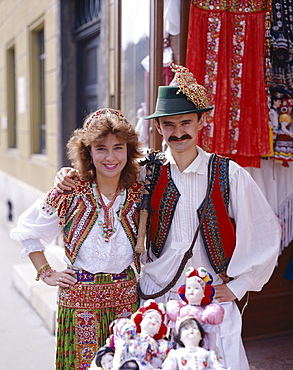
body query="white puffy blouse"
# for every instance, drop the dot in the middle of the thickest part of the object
(36, 226)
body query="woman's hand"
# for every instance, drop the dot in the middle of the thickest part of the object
(63, 179)
(64, 278)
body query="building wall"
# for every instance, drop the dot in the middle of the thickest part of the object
(18, 20)
(24, 175)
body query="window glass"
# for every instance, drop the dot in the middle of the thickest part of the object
(11, 94)
(134, 64)
(41, 60)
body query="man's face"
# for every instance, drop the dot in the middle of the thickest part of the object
(180, 132)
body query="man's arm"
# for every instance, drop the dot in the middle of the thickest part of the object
(63, 180)
(258, 235)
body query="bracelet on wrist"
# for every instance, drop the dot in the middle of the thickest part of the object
(44, 271)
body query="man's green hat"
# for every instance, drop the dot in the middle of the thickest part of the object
(187, 97)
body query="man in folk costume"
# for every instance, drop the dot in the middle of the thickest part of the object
(239, 235)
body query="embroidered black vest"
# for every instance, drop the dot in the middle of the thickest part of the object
(217, 231)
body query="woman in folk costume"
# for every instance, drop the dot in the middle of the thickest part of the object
(99, 221)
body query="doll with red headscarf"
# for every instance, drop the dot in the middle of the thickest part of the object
(139, 342)
(197, 301)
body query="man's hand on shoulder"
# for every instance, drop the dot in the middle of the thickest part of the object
(64, 179)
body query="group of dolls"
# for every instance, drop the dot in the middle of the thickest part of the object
(178, 336)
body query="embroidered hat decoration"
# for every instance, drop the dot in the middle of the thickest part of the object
(188, 85)
(186, 97)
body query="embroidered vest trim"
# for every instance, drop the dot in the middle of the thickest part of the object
(77, 215)
(218, 230)
(163, 202)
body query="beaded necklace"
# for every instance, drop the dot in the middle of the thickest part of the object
(107, 225)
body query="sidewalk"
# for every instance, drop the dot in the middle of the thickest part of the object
(25, 342)
(270, 354)
(28, 310)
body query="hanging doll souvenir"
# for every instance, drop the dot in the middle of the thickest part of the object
(139, 342)
(283, 148)
(274, 114)
(196, 300)
(190, 354)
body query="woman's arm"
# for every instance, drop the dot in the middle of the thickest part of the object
(51, 277)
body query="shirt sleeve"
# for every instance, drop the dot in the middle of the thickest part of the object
(38, 222)
(258, 234)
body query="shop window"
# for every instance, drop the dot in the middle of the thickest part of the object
(86, 12)
(153, 34)
(38, 91)
(11, 97)
(134, 67)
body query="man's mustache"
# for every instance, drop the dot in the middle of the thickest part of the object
(183, 137)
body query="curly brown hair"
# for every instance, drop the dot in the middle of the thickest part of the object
(95, 129)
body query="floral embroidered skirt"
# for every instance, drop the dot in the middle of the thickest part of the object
(85, 312)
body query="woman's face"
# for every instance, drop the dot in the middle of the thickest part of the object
(151, 323)
(109, 157)
(194, 292)
(190, 334)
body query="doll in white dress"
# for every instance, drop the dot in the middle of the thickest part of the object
(190, 355)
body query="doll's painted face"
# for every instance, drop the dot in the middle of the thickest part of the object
(190, 334)
(107, 361)
(151, 323)
(193, 292)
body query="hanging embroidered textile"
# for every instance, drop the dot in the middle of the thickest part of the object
(282, 44)
(281, 79)
(226, 53)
